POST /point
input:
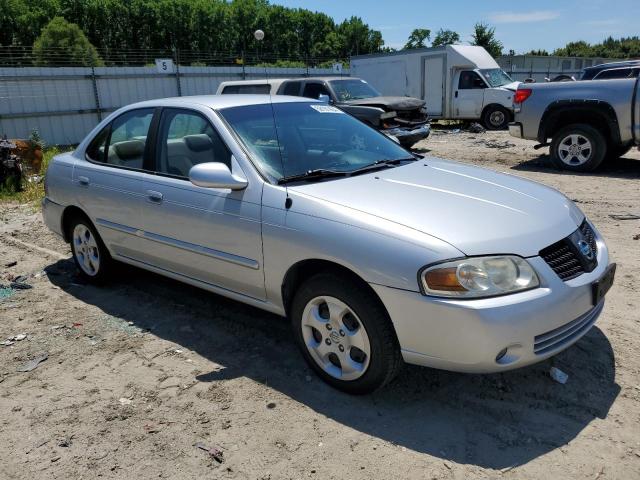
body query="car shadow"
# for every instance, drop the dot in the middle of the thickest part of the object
(493, 421)
(625, 167)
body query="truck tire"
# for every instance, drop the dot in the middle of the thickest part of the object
(345, 333)
(496, 117)
(578, 147)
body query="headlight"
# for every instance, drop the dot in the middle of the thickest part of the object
(388, 115)
(478, 277)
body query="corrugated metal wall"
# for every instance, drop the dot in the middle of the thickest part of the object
(64, 104)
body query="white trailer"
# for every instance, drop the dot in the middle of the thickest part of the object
(455, 81)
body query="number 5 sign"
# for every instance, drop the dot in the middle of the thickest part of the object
(164, 65)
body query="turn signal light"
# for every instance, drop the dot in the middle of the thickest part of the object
(522, 94)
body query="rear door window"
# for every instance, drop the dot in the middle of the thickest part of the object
(123, 142)
(615, 73)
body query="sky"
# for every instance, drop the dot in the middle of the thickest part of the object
(521, 26)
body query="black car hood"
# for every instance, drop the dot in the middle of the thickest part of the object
(389, 103)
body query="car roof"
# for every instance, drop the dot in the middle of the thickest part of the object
(264, 81)
(605, 66)
(218, 102)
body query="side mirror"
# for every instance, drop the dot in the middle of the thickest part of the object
(324, 98)
(216, 175)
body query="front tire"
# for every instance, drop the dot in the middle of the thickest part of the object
(345, 333)
(496, 117)
(579, 148)
(90, 255)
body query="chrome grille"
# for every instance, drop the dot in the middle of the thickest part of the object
(561, 336)
(564, 258)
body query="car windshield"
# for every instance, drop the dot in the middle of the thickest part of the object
(292, 138)
(496, 77)
(353, 89)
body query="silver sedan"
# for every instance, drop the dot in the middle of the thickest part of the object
(378, 256)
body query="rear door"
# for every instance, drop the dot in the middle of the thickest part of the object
(468, 96)
(207, 234)
(109, 181)
(433, 84)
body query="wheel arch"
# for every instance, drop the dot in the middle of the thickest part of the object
(596, 113)
(69, 213)
(302, 270)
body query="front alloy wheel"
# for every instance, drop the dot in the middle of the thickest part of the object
(344, 332)
(335, 338)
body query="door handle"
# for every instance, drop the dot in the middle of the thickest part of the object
(155, 197)
(456, 94)
(84, 181)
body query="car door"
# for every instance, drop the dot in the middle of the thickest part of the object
(109, 180)
(469, 94)
(208, 234)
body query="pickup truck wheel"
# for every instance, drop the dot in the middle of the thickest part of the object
(89, 252)
(578, 147)
(496, 117)
(345, 333)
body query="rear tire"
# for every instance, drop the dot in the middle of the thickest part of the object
(496, 117)
(578, 148)
(345, 333)
(90, 255)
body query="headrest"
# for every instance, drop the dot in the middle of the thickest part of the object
(129, 149)
(198, 143)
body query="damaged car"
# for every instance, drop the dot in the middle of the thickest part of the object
(404, 118)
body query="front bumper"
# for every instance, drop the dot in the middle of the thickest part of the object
(515, 129)
(52, 216)
(467, 335)
(409, 136)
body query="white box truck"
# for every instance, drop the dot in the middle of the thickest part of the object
(455, 81)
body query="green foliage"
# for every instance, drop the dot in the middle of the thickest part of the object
(539, 53)
(418, 38)
(218, 27)
(446, 37)
(63, 43)
(625, 47)
(485, 36)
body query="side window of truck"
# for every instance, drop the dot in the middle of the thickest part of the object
(314, 90)
(470, 80)
(615, 73)
(291, 88)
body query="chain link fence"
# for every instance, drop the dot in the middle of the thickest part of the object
(63, 96)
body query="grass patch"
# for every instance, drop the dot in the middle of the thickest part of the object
(32, 188)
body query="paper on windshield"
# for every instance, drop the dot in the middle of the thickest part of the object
(326, 109)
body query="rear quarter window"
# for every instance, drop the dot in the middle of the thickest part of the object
(247, 89)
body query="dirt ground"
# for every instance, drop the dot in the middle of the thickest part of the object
(142, 369)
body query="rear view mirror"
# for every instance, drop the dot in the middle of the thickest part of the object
(215, 175)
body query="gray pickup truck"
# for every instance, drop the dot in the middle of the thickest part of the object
(583, 123)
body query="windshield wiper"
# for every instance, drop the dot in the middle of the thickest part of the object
(380, 164)
(312, 175)
(320, 173)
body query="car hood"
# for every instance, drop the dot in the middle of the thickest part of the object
(389, 103)
(478, 211)
(513, 86)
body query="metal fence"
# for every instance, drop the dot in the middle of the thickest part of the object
(65, 103)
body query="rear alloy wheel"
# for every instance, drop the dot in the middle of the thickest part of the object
(89, 253)
(579, 148)
(496, 118)
(345, 333)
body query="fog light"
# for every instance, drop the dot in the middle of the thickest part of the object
(501, 354)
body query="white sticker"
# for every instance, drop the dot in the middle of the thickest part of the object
(326, 109)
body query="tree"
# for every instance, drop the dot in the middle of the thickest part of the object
(63, 43)
(485, 36)
(417, 38)
(538, 53)
(445, 37)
